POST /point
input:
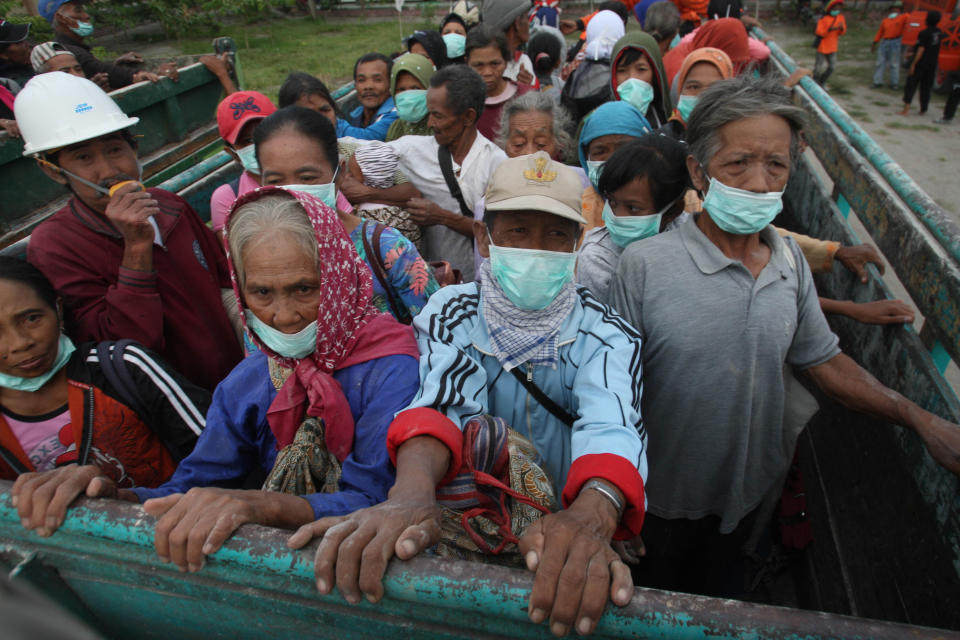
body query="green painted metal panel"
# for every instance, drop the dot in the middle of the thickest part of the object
(256, 587)
(921, 242)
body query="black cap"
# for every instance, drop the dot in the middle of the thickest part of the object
(10, 33)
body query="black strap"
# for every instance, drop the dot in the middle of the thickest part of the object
(115, 370)
(555, 410)
(12, 461)
(380, 269)
(446, 166)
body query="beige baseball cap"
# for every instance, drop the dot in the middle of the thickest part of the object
(538, 183)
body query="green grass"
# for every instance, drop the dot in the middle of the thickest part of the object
(911, 127)
(269, 50)
(881, 103)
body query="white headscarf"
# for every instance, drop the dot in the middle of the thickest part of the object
(603, 31)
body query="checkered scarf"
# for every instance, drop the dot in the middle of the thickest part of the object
(521, 335)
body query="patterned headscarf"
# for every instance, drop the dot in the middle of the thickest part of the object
(350, 330)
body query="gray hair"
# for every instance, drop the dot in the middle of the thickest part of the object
(662, 21)
(727, 101)
(536, 101)
(255, 221)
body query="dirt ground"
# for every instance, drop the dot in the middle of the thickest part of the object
(927, 152)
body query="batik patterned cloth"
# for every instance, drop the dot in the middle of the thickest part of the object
(500, 491)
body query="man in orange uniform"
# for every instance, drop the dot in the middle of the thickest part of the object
(888, 36)
(829, 29)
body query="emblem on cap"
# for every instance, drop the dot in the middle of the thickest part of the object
(538, 173)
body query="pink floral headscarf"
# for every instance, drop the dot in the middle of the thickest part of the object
(350, 329)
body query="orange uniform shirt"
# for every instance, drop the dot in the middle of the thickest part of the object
(830, 36)
(891, 28)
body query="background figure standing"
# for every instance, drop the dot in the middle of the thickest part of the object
(923, 69)
(950, 109)
(829, 29)
(889, 36)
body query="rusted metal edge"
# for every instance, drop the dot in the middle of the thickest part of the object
(943, 228)
(123, 532)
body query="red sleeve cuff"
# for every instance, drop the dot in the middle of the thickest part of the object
(620, 473)
(423, 421)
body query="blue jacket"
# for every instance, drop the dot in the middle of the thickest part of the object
(598, 379)
(238, 440)
(353, 126)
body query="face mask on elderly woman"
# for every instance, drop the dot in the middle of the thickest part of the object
(738, 211)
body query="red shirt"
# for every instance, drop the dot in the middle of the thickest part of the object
(174, 310)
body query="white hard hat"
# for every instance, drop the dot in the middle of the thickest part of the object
(58, 109)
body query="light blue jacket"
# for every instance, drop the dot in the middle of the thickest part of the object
(598, 379)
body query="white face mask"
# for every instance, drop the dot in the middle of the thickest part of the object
(248, 158)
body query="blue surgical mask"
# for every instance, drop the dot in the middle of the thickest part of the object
(83, 29)
(685, 105)
(637, 93)
(625, 230)
(248, 158)
(288, 345)
(892, 15)
(456, 45)
(65, 349)
(835, 12)
(594, 168)
(675, 41)
(326, 193)
(411, 104)
(741, 212)
(531, 278)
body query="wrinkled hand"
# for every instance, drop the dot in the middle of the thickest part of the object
(356, 548)
(942, 440)
(216, 65)
(102, 80)
(129, 210)
(750, 22)
(576, 568)
(883, 312)
(129, 57)
(525, 77)
(42, 498)
(795, 77)
(170, 70)
(144, 76)
(10, 126)
(630, 551)
(353, 189)
(423, 212)
(568, 26)
(191, 526)
(855, 259)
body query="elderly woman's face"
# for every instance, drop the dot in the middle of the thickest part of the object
(288, 157)
(531, 131)
(282, 286)
(754, 155)
(453, 27)
(603, 147)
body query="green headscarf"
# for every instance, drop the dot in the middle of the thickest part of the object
(641, 41)
(413, 63)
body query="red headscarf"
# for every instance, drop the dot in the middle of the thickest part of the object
(727, 34)
(350, 330)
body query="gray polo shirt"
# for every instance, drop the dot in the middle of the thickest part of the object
(714, 344)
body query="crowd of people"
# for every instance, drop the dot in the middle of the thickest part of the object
(523, 304)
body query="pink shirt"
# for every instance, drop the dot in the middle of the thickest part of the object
(223, 198)
(40, 436)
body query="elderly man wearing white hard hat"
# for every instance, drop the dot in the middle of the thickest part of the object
(129, 262)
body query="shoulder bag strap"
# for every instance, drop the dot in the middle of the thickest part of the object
(379, 268)
(555, 410)
(12, 461)
(446, 166)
